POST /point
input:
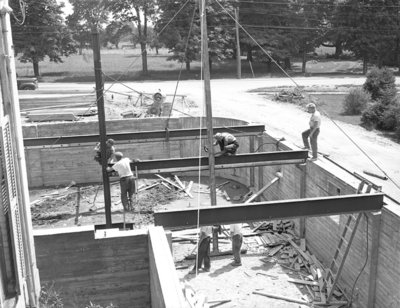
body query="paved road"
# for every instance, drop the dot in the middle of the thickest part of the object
(230, 98)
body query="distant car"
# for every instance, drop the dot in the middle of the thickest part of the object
(27, 83)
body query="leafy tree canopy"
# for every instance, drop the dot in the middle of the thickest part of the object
(42, 34)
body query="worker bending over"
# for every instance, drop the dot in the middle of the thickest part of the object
(126, 179)
(227, 144)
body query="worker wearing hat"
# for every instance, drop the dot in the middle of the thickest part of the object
(227, 144)
(313, 132)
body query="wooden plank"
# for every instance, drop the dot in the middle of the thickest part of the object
(299, 281)
(182, 186)
(288, 299)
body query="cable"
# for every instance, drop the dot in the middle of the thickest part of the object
(363, 267)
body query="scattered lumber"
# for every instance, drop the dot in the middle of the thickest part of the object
(299, 281)
(148, 186)
(182, 186)
(288, 299)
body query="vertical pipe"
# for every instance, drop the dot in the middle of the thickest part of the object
(303, 189)
(102, 123)
(238, 59)
(209, 120)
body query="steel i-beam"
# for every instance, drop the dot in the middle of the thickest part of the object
(174, 134)
(222, 162)
(282, 209)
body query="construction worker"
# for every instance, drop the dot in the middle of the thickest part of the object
(203, 250)
(237, 240)
(227, 144)
(126, 178)
(110, 150)
(313, 131)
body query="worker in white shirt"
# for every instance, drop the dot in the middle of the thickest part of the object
(126, 179)
(203, 250)
(237, 240)
(313, 132)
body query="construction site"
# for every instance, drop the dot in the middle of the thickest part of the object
(314, 233)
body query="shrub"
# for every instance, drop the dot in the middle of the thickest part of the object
(380, 81)
(356, 101)
(390, 118)
(50, 298)
(372, 116)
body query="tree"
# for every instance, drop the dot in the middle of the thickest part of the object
(42, 33)
(87, 15)
(115, 31)
(185, 47)
(139, 12)
(369, 29)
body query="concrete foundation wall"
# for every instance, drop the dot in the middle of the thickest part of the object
(83, 269)
(311, 180)
(59, 165)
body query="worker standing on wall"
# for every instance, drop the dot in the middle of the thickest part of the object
(110, 150)
(227, 144)
(203, 250)
(313, 132)
(237, 240)
(126, 179)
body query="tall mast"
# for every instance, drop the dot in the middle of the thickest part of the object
(209, 119)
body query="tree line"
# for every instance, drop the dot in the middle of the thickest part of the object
(274, 32)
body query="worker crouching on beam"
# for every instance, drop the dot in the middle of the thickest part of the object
(126, 178)
(227, 143)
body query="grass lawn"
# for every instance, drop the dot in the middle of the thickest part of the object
(332, 105)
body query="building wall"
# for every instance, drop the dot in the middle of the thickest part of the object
(83, 269)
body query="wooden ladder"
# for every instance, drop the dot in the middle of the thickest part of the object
(335, 269)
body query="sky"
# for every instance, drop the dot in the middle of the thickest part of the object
(67, 8)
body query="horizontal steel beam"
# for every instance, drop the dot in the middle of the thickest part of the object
(175, 134)
(282, 209)
(222, 162)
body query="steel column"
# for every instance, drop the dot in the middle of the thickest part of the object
(282, 209)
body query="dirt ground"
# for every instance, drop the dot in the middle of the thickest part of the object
(60, 207)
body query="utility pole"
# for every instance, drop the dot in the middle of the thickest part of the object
(209, 119)
(238, 59)
(102, 123)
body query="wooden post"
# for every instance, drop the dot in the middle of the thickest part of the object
(252, 149)
(375, 218)
(260, 169)
(102, 124)
(209, 120)
(303, 190)
(238, 59)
